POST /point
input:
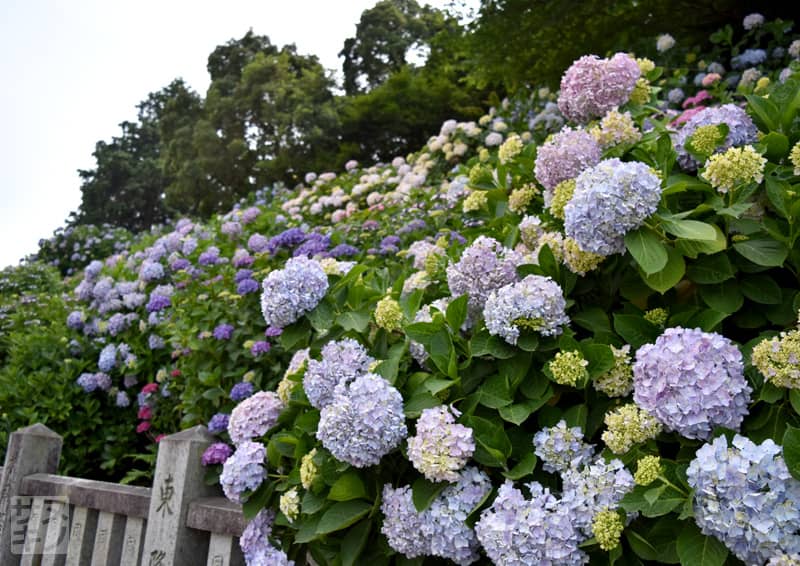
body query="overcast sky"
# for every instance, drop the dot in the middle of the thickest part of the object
(72, 71)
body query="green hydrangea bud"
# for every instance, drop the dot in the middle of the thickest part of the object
(629, 425)
(388, 314)
(568, 368)
(607, 527)
(737, 166)
(308, 470)
(618, 381)
(521, 198)
(657, 316)
(647, 470)
(778, 359)
(289, 504)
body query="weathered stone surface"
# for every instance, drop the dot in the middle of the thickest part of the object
(57, 535)
(34, 535)
(216, 515)
(108, 539)
(223, 550)
(31, 450)
(133, 541)
(83, 524)
(178, 481)
(127, 500)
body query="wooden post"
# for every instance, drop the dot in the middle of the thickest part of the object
(178, 480)
(31, 450)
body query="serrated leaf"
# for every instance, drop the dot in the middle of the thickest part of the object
(342, 515)
(763, 251)
(349, 486)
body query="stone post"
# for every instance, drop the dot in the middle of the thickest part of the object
(31, 450)
(178, 480)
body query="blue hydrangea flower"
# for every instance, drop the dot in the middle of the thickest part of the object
(151, 271)
(291, 292)
(75, 320)
(247, 286)
(562, 448)
(741, 131)
(363, 422)
(610, 199)
(241, 391)
(122, 400)
(536, 303)
(286, 240)
(218, 423)
(692, 381)
(244, 470)
(108, 358)
(155, 342)
(748, 58)
(255, 544)
(745, 496)
(158, 303)
(223, 332)
(441, 447)
(254, 416)
(342, 361)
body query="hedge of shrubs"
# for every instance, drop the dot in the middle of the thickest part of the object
(564, 334)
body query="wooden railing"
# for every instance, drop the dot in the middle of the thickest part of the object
(52, 520)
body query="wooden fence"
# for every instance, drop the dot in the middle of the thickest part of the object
(52, 520)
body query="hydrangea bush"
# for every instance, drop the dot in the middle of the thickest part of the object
(562, 334)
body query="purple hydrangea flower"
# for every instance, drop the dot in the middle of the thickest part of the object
(108, 358)
(247, 286)
(610, 199)
(218, 423)
(565, 156)
(180, 264)
(342, 361)
(87, 382)
(562, 448)
(692, 381)
(243, 274)
(286, 240)
(745, 496)
(243, 470)
(75, 320)
(344, 250)
(242, 259)
(217, 453)
(231, 228)
(254, 416)
(363, 422)
(223, 331)
(390, 245)
(593, 86)
(122, 400)
(151, 271)
(537, 300)
(155, 342)
(485, 266)
(241, 391)
(260, 347)
(257, 243)
(255, 545)
(158, 303)
(741, 131)
(273, 331)
(314, 245)
(291, 292)
(209, 257)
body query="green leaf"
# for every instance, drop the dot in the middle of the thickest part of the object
(492, 444)
(697, 549)
(763, 251)
(424, 491)
(322, 317)
(794, 399)
(777, 192)
(710, 269)
(519, 412)
(293, 335)
(668, 277)
(348, 487)
(523, 468)
(791, 450)
(689, 229)
(761, 288)
(635, 330)
(257, 500)
(593, 319)
(776, 144)
(456, 312)
(652, 501)
(693, 248)
(390, 367)
(354, 541)
(342, 515)
(724, 297)
(765, 114)
(353, 320)
(494, 392)
(484, 344)
(647, 249)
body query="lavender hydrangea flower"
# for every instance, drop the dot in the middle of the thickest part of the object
(223, 332)
(285, 240)
(562, 448)
(518, 531)
(745, 496)
(536, 303)
(180, 264)
(241, 391)
(217, 453)
(565, 156)
(292, 291)
(209, 257)
(75, 320)
(440, 530)
(610, 199)
(314, 245)
(87, 382)
(122, 400)
(247, 286)
(158, 303)
(108, 358)
(344, 250)
(741, 131)
(257, 243)
(255, 545)
(692, 381)
(363, 422)
(485, 266)
(243, 470)
(441, 447)
(260, 347)
(748, 58)
(342, 361)
(593, 86)
(218, 423)
(151, 271)
(155, 342)
(254, 416)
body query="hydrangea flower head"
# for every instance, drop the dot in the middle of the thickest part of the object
(485, 266)
(778, 359)
(217, 453)
(741, 131)
(691, 381)
(618, 381)
(363, 422)
(342, 361)
(593, 86)
(254, 416)
(610, 199)
(629, 425)
(737, 166)
(565, 156)
(536, 303)
(291, 292)
(562, 448)
(441, 447)
(243, 470)
(745, 496)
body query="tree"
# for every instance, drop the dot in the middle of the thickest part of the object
(384, 36)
